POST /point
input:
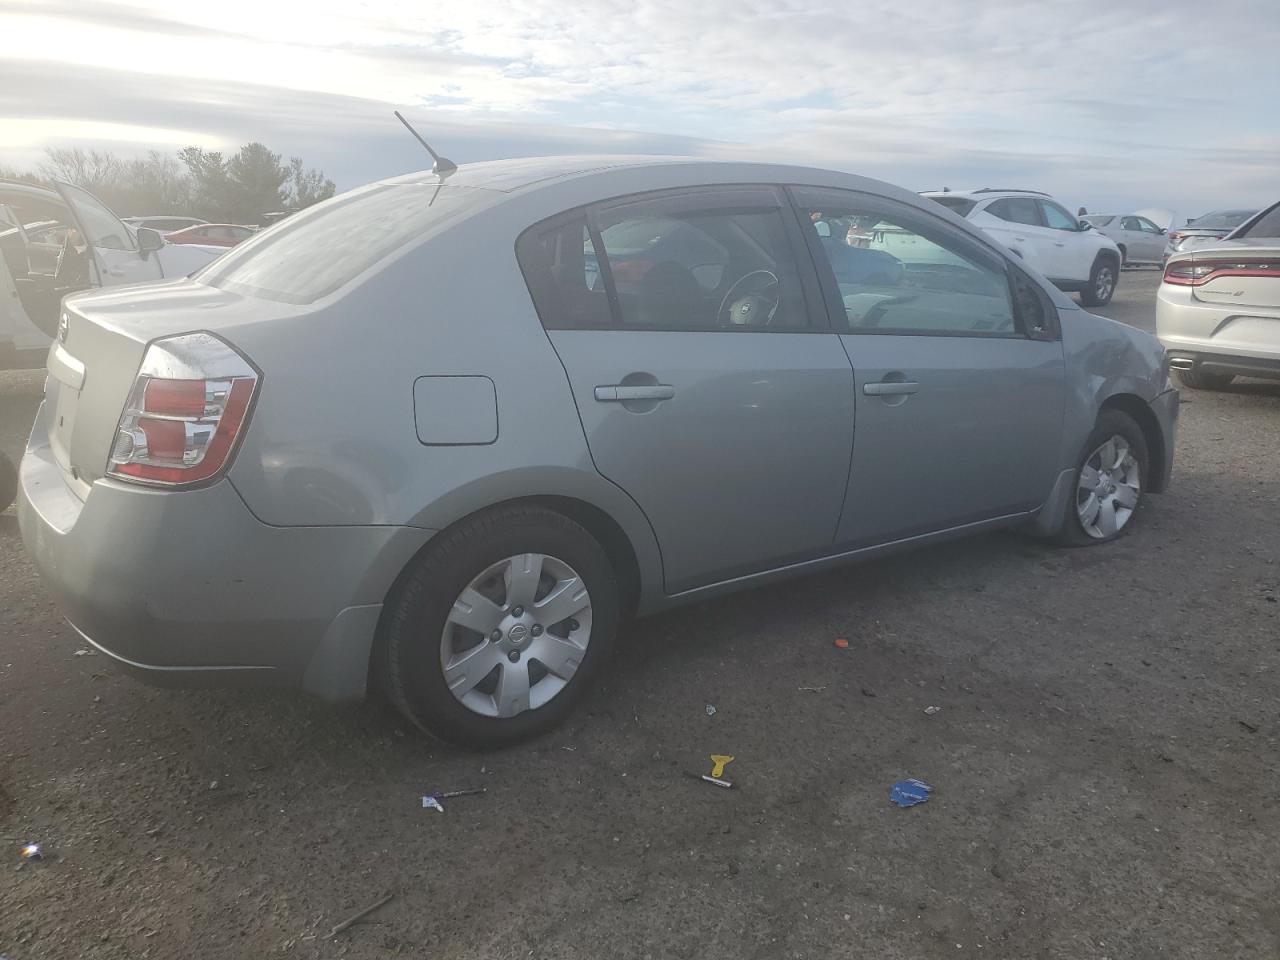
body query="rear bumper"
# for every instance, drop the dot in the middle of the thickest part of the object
(1221, 337)
(189, 588)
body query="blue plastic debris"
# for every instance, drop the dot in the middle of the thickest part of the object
(907, 793)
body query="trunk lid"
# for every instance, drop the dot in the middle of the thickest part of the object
(1247, 273)
(95, 359)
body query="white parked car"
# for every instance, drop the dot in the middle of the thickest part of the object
(1068, 251)
(94, 249)
(1139, 239)
(1218, 308)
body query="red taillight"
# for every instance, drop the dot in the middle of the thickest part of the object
(187, 410)
(175, 398)
(1177, 236)
(1194, 273)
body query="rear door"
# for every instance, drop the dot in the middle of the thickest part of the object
(1022, 231)
(1065, 243)
(112, 246)
(709, 385)
(958, 371)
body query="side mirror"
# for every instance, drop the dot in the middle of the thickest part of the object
(149, 241)
(1083, 225)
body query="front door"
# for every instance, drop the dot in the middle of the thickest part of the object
(709, 385)
(112, 247)
(1073, 260)
(957, 369)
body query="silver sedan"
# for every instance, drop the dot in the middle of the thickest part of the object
(438, 435)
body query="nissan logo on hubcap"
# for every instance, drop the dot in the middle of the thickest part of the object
(518, 634)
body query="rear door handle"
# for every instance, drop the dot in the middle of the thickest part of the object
(621, 392)
(892, 388)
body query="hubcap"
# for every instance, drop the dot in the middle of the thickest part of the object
(1108, 489)
(1105, 282)
(516, 635)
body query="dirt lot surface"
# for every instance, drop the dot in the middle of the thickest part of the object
(1104, 761)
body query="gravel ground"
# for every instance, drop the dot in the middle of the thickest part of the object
(1104, 758)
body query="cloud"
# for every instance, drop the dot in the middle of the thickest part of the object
(1102, 104)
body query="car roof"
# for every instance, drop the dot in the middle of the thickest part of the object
(987, 193)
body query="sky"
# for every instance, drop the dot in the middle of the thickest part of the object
(1116, 105)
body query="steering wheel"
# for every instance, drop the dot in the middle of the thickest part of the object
(745, 311)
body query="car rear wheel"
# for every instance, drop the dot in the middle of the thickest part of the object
(1102, 283)
(8, 482)
(499, 627)
(1109, 481)
(1200, 379)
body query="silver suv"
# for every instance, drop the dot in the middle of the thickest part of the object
(1044, 234)
(441, 433)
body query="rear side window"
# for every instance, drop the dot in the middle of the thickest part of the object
(1016, 210)
(698, 260)
(1268, 225)
(562, 270)
(960, 205)
(314, 252)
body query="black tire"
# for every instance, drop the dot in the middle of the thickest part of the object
(1110, 423)
(1103, 279)
(414, 619)
(1200, 379)
(8, 483)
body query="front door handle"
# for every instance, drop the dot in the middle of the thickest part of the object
(890, 388)
(622, 392)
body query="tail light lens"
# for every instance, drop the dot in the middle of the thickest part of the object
(186, 412)
(1194, 273)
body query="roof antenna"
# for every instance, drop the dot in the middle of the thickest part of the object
(442, 166)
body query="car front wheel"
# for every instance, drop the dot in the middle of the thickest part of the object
(1102, 283)
(1109, 481)
(499, 627)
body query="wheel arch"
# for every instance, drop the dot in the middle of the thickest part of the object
(598, 522)
(1140, 411)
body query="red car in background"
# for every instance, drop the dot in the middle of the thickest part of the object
(211, 234)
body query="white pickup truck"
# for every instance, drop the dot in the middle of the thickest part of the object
(97, 250)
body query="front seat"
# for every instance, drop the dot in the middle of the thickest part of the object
(669, 296)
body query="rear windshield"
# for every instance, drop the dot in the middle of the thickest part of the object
(1268, 224)
(1222, 219)
(959, 204)
(312, 253)
(1098, 221)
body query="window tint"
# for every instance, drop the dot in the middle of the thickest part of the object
(960, 205)
(1016, 210)
(1057, 218)
(314, 252)
(562, 271)
(710, 260)
(902, 274)
(1268, 224)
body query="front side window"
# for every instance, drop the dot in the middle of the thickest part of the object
(1146, 226)
(900, 273)
(707, 260)
(1057, 218)
(102, 227)
(1016, 210)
